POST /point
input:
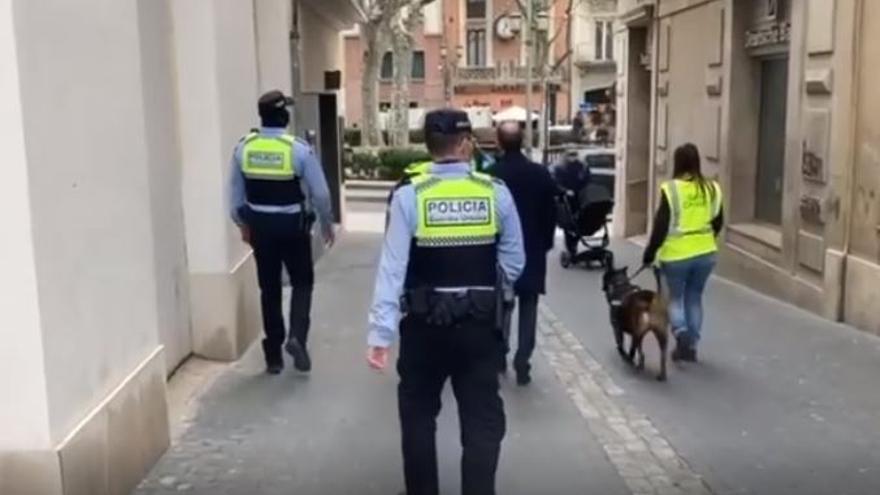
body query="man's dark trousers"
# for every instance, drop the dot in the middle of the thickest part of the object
(528, 322)
(281, 241)
(466, 353)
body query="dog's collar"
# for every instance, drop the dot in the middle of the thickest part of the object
(617, 298)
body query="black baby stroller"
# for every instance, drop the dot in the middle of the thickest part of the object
(583, 217)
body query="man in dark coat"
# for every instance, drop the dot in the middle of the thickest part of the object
(533, 192)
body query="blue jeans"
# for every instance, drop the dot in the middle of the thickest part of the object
(686, 280)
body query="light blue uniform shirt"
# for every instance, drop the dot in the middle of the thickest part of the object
(385, 310)
(308, 169)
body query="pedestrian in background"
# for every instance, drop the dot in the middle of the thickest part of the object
(688, 220)
(534, 193)
(571, 176)
(271, 174)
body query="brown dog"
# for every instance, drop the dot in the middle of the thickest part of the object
(637, 312)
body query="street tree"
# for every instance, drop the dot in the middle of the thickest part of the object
(403, 27)
(374, 20)
(547, 23)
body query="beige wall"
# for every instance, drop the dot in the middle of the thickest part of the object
(862, 296)
(273, 45)
(25, 420)
(91, 158)
(217, 90)
(866, 205)
(691, 115)
(90, 197)
(164, 157)
(320, 47)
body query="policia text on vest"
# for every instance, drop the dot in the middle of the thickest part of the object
(452, 233)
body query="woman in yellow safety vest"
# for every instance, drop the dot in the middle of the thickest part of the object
(687, 222)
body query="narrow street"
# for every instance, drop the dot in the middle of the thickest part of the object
(781, 403)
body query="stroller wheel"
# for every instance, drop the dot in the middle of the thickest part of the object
(565, 259)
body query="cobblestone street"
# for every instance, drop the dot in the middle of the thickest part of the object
(781, 403)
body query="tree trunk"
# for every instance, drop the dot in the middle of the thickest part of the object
(399, 128)
(403, 29)
(373, 50)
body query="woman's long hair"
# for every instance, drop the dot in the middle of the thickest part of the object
(686, 166)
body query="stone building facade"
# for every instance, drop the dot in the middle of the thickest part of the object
(778, 96)
(469, 53)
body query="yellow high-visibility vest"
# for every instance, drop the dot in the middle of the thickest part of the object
(417, 168)
(455, 211)
(268, 158)
(692, 210)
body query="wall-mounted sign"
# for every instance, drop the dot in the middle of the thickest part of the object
(776, 33)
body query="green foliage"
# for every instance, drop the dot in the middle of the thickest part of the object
(395, 160)
(381, 164)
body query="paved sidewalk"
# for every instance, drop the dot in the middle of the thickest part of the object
(782, 403)
(336, 431)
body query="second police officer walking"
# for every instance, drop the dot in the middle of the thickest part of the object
(451, 233)
(271, 174)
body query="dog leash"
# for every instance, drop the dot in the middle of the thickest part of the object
(638, 272)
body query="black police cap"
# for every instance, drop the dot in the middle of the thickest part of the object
(447, 121)
(274, 101)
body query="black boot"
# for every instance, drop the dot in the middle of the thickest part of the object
(274, 359)
(682, 349)
(523, 378)
(523, 374)
(301, 359)
(691, 355)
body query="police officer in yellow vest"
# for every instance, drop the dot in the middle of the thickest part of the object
(689, 219)
(452, 235)
(277, 186)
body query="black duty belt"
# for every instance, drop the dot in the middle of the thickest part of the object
(443, 308)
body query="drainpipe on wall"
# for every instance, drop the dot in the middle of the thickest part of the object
(295, 89)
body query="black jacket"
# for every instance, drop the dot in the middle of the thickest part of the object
(533, 192)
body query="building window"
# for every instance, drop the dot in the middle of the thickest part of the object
(384, 106)
(476, 47)
(418, 65)
(604, 42)
(387, 66)
(476, 9)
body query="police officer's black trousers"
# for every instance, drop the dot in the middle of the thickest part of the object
(468, 355)
(280, 242)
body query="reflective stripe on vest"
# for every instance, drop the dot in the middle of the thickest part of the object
(455, 211)
(690, 221)
(268, 158)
